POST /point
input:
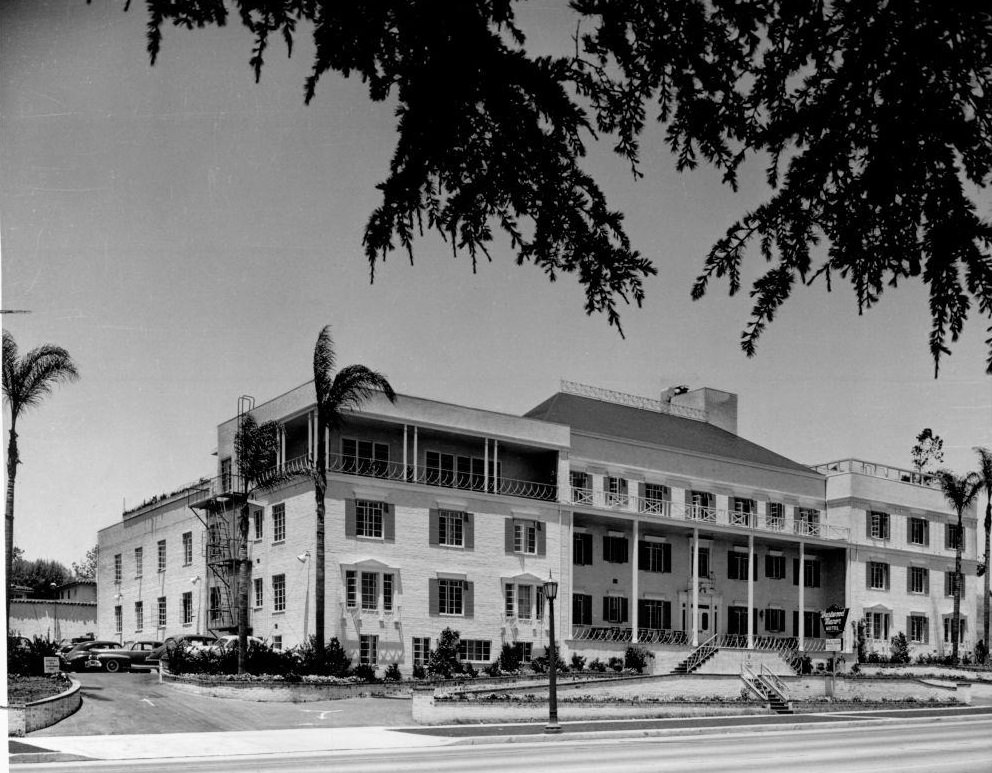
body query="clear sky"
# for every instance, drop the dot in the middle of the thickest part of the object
(185, 234)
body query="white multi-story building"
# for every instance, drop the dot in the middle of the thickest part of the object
(663, 526)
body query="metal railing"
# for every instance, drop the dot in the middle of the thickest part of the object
(915, 477)
(620, 634)
(633, 401)
(677, 511)
(701, 653)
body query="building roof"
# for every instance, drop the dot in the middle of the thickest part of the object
(598, 417)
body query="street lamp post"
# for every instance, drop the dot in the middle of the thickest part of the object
(550, 593)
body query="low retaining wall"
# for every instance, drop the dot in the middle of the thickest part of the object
(28, 717)
(282, 692)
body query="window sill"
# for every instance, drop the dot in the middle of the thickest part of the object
(279, 612)
(279, 542)
(369, 538)
(450, 547)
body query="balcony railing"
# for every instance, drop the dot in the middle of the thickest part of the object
(608, 633)
(665, 509)
(425, 476)
(888, 472)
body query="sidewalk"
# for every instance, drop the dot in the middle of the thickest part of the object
(262, 742)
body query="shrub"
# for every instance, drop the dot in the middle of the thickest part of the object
(393, 673)
(333, 662)
(637, 659)
(597, 665)
(509, 658)
(419, 672)
(900, 649)
(26, 656)
(616, 664)
(541, 664)
(492, 669)
(366, 673)
(578, 662)
(444, 661)
(470, 671)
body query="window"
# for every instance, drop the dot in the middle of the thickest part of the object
(162, 616)
(364, 457)
(581, 609)
(742, 511)
(518, 601)
(807, 521)
(278, 593)
(525, 651)
(161, 555)
(704, 562)
(138, 561)
(225, 474)
(654, 556)
(118, 619)
(656, 497)
(370, 591)
(351, 589)
(615, 548)
(737, 620)
(187, 607)
(616, 492)
(738, 562)
(279, 522)
(259, 523)
(368, 518)
(524, 537)
(139, 615)
(811, 572)
(421, 650)
(524, 596)
(700, 504)
(118, 568)
(449, 528)
(581, 488)
(775, 516)
(259, 585)
(919, 629)
(654, 614)
(949, 584)
(919, 531)
(775, 567)
(615, 609)
(187, 548)
(949, 629)
(811, 624)
(878, 575)
(919, 579)
(460, 471)
(953, 537)
(368, 652)
(775, 620)
(877, 626)
(878, 525)
(450, 597)
(582, 549)
(387, 593)
(475, 650)
(215, 603)
(277, 642)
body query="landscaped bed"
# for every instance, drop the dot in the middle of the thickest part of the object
(28, 689)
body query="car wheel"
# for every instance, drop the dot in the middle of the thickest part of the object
(113, 666)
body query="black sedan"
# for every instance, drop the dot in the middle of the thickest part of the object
(132, 655)
(75, 659)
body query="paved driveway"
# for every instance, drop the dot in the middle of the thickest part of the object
(135, 703)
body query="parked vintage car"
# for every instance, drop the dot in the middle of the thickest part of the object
(75, 659)
(193, 640)
(134, 654)
(230, 642)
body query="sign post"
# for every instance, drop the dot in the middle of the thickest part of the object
(834, 619)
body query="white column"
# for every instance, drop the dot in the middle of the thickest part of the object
(405, 468)
(802, 596)
(415, 478)
(485, 464)
(750, 591)
(282, 444)
(634, 621)
(496, 467)
(310, 435)
(695, 587)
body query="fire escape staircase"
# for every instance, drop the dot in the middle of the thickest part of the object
(768, 687)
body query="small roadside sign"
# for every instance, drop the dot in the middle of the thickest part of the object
(52, 665)
(833, 645)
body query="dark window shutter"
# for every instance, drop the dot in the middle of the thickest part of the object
(688, 498)
(349, 518)
(432, 597)
(388, 523)
(909, 531)
(769, 566)
(542, 546)
(753, 560)
(795, 571)
(626, 551)
(795, 623)
(926, 630)
(607, 553)
(642, 555)
(432, 527)
(666, 552)
(508, 541)
(909, 628)
(468, 599)
(606, 609)
(624, 617)
(868, 523)
(926, 533)
(468, 532)
(666, 615)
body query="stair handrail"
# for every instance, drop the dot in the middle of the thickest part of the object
(700, 653)
(773, 682)
(751, 681)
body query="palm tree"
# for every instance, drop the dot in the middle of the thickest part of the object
(960, 492)
(27, 381)
(255, 446)
(985, 482)
(346, 390)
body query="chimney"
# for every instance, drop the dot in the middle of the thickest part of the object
(720, 407)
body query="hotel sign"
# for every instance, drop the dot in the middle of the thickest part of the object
(833, 620)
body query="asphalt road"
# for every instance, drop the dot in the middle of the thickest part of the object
(946, 747)
(134, 703)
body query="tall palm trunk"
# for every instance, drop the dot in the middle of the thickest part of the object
(985, 597)
(243, 580)
(320, 492)
(8, 530)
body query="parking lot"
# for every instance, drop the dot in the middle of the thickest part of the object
(135, 703)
